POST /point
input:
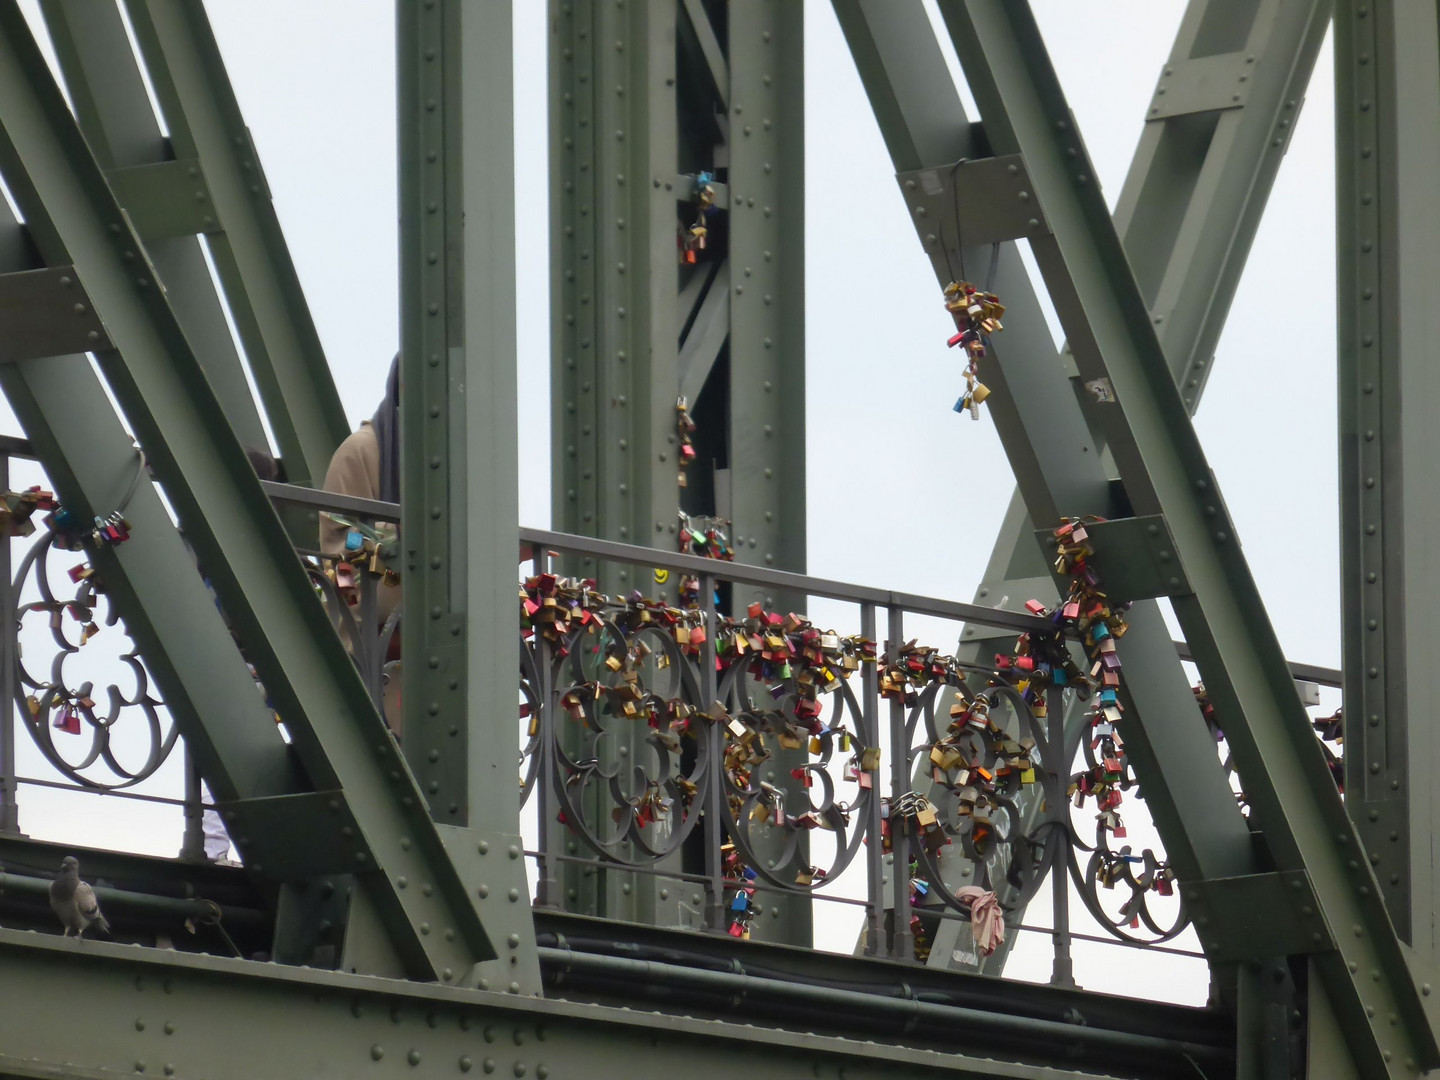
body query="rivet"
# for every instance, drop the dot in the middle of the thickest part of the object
(466, 1063)
(377, 1052)
(413, 1057)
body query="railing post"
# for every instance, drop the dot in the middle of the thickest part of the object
(875, 943)
(192, 840)
(902, 939)
(9, 600)
(552, 833)
(1062, 971)
(715, 780)
(367, 649)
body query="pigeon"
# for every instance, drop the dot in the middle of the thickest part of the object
(73, 900)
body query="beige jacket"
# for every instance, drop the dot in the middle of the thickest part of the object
(354, 470)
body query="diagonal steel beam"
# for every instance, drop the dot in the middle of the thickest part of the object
(1194, 193)
(706, 338)
(103, 77)
(1164, 472)
(261, 286)
(388, 838)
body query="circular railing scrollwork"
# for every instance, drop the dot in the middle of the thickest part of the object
(630, 751)
(1131, 880)
(100, 737)
(998, 763)
(777, 819)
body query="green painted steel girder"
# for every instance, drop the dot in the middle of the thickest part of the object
(162, 1013)
(435, 510)
(370, 812)
(459, 468)
(1387, 151)
(261, 286)
(104, 82)
(1164, 472)
(1187, 213)
(767, 440)
(91, 459)
(1206, 162)
(1056, 459)
(615, 325)
(633, 331)
(615, 274)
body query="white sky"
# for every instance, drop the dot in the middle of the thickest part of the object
(315, 80)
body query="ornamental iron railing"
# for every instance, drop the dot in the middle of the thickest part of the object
(739, 756)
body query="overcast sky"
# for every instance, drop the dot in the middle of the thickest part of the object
(315, 79)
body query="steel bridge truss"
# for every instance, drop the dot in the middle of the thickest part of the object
(392, 883)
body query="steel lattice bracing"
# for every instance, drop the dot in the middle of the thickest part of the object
(1196, 189)
(390, 885)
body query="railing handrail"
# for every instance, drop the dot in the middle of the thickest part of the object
(745, 574)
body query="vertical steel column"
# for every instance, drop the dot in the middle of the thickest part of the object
(1387, 113)
(459, 457)
(767, 274)
(614, 272)
(615, 320)
(434, 512)
(766, 444)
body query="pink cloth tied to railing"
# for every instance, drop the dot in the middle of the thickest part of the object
(987, 922)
